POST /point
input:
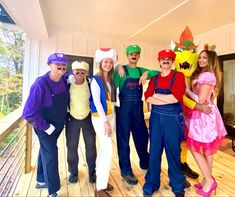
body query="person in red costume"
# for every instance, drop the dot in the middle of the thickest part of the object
(165, 93)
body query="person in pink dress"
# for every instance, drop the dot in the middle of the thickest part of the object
(206, 132)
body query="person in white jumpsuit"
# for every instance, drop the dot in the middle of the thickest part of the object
(103, 116)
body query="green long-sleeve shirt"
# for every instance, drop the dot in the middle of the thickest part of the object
(133, 73)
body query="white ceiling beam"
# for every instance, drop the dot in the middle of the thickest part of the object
(157, 19)
(29, 16)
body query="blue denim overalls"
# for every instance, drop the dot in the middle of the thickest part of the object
(47, 169)
(166, 131)
(130, 117)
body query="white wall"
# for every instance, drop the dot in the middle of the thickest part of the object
(82, 45)
(223, 38)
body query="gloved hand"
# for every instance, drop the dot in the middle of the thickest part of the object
(50, 130)
(71, 79)
(191, 94)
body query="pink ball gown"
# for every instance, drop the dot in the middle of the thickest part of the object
(206, 132)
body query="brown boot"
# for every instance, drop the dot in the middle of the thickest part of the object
(109, 187)
(102, 193)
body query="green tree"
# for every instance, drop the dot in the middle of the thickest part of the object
(11, 68)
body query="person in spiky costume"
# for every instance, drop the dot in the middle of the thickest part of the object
(186, 62)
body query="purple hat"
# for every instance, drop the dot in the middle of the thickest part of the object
(57, 58)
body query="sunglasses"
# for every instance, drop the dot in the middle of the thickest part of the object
(61, 68)
(80, 73)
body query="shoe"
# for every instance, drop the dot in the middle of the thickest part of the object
(53, 195)
(198, 185)
(40, 186)
(188, 171)
(131, 179)
(207, 194)
(145, 194)
(144, 167)
(186, 184)
(73, 178)
(109, 188)
(102, 193)
(92, 178)
(179, 194)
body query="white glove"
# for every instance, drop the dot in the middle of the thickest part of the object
(50, 130)
(71, 79)
(187, 85)
(192, 95)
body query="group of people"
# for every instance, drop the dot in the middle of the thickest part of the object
(57, 99)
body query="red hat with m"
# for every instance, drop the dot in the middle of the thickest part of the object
(166, 53)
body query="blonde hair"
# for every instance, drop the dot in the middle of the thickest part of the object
(100, 74)
(213, 66)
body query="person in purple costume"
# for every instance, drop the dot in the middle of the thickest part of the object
(46, 109)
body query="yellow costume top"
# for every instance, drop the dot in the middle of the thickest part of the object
(186, 60)
(79, 100)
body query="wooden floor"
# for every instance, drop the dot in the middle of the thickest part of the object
(224, 172)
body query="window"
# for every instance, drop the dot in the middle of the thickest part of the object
(4, 17)
(226, 99)
(11, 68)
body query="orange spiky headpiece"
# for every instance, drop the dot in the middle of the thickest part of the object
(186, 40)
(186, 35)
(186, 55)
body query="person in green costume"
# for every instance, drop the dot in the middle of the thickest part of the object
(130, 116)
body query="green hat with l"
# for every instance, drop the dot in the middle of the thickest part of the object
(133, 49)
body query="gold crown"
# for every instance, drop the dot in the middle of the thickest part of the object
(209, 47)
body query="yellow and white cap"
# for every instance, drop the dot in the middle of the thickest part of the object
(80, 65)
(102, 53)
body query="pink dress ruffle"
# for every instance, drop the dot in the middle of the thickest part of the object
(206, 148)
(206, 132)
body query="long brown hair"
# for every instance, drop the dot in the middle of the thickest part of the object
(100, 74)
(213, 66)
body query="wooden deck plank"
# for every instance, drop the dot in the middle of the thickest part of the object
(124, 187)
(63, 166)
(223, 173)
(73, 189)
(87, 189)
(223, 170)
(31, 187)
(27, 179)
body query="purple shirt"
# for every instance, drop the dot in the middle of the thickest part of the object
(40, 97)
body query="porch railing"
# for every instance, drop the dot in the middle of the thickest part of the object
(15, 151)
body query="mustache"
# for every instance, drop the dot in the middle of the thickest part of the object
(166, 62)
(134, 58)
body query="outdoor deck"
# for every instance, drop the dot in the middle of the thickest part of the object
(224, 169)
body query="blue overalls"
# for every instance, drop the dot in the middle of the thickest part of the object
(47, 169)
(130, 117)
(166, 131)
